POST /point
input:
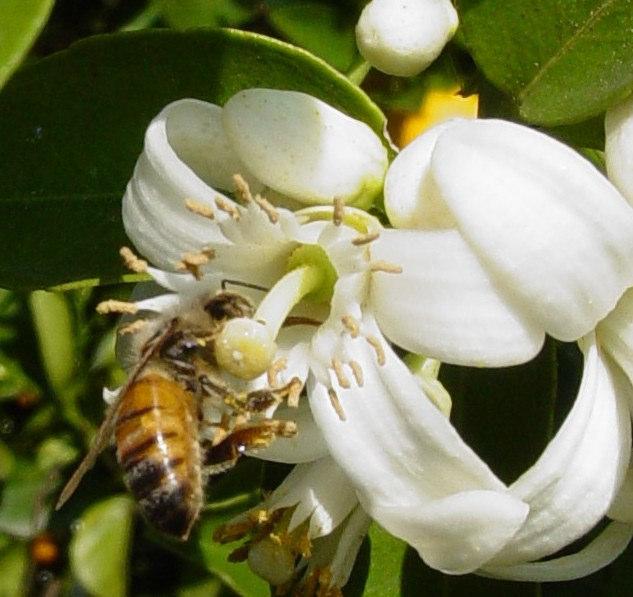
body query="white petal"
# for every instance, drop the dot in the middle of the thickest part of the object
(320, 491)
(445, 305)
(622, 507)
(403, 37)
(599, 553)
(573, 483)
(411, 197)
(410, 467)
(195, 132)
(619, 146)
(304, 148)
(338, 550)
(154, 212)
(306, 446)
(615, 333)
(541, 218)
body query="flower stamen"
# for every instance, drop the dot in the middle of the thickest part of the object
(227, 208)
(336, 404)
(386, 267)
(338, 213)
(351, 325)
(200, 209)
(133, 327)
(132, 261)
(267, 208)
(242, 188)
(342, 379)
(113, 306)
(358, 373)
(378, 349)
(193, 261)
(365, 239)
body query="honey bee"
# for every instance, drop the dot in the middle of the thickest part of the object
(166, 445)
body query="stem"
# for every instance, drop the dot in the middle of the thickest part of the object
(358, 72)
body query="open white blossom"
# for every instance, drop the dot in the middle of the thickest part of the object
(499, 229)
(402, 37)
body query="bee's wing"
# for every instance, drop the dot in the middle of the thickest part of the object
(107, 427)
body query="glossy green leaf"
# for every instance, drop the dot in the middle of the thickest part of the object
(20, 23)
(184, 14)
(70, 157)
(563, 61)
(327, 30)
(99, 548)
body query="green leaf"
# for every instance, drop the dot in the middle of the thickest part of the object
(23, 507)
(99, 548)
(184, 14)
(62, 182)
(387, 555)
(563, 61)
(324, 29)
(20, 23)
(13, 567)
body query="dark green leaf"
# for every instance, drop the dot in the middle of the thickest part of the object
(324, 29)
(563, 61)
(99, 548)
(74, 124)
(184, 14)
(20, 23)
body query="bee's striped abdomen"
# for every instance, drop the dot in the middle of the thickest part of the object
(157, 447)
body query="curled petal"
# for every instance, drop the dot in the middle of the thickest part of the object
(445, 305)
(154, 206)
(403, 37)
(416, 471)
(573, 483)
(599, 553)
(619, 147)
(540, 218)
(412, 199)
(304, 148)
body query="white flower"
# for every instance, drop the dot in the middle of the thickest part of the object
(314, 154)
(500, 219)
(308, 531)
(402, 37)
(511, 235)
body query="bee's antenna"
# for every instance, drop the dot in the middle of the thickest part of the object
(225, 282)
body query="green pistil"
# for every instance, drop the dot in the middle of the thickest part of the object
(318, 283)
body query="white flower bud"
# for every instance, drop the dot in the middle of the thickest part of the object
(402, 37)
